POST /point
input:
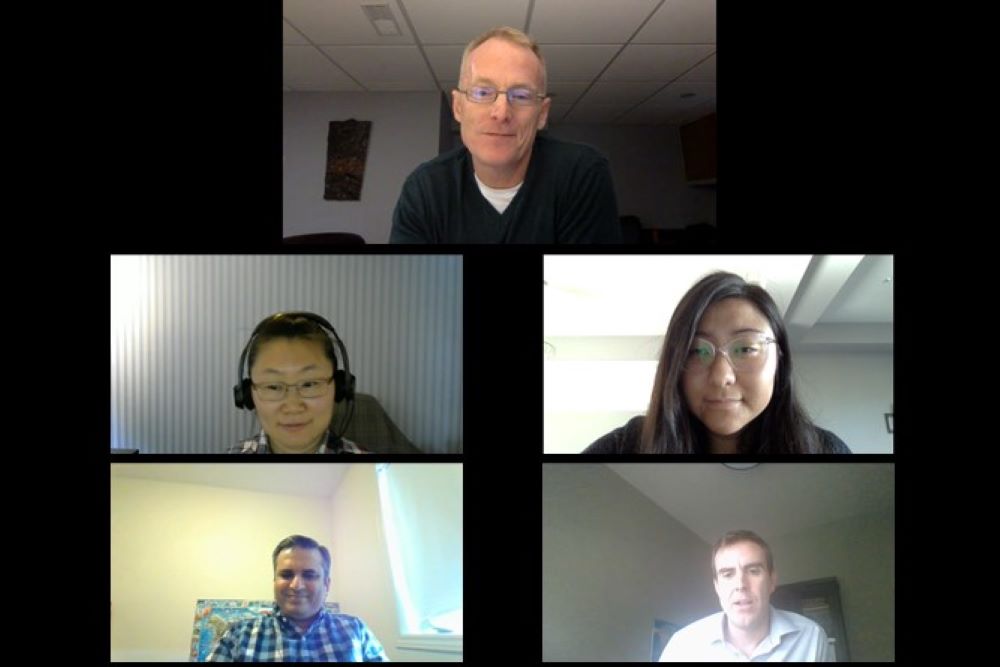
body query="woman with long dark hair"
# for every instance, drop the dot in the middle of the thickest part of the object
(724, 382)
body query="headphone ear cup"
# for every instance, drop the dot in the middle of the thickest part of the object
(343, 386)
(243, 395)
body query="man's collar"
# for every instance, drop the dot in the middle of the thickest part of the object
(287, 622)
(779, 626)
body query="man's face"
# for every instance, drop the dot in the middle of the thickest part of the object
(294, 424)
(500, 135)
(300, 586)
(744, 585)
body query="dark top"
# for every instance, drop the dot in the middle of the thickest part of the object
(567, 197)
(625, 440)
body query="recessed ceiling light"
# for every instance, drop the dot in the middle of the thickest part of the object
(686, 96)
(382, 19)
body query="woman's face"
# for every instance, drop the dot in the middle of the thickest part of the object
(723, 398)
(295, 425)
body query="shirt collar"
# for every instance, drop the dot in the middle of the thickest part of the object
(288, 623)
(262, 444)
(779, 627)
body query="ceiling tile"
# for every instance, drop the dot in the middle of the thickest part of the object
(576, 63)
(305, 68)
(558, 111)
(290, 35)
(671, 96)
(620, 93)
(588, 21)
(704, 72)
(341, 22)
(445, 60)
(650, 62)
(592, 113)
(680, 22)
(384, 67)
(566, 92)
(460, 21)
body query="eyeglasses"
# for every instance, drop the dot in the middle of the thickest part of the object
(745, 353)
(519, 97)
(275, 391)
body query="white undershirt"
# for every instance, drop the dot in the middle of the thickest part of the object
(499, 198)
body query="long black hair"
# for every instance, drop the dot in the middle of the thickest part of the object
(671, 428)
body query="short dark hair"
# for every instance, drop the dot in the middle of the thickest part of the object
(737, 536)
(291, 326)
(670, 427)
(302, 542)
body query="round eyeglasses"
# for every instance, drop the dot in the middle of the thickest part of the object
(275, 391)
(519, 97)
(746, 353)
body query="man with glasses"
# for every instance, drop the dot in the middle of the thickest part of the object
(507, 185)
(299, 627)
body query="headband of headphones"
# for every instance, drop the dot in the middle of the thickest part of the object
(343, 381)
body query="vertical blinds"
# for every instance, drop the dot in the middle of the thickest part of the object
(179, 323)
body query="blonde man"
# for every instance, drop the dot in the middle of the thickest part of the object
(507, 184)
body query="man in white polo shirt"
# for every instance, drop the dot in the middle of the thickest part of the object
(748, 629)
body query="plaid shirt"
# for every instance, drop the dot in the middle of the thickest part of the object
(274, 638)
(260, 444)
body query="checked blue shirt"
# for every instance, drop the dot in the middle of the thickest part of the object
(274, 638)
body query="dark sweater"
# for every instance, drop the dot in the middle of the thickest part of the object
(567, 197)
(625, 440)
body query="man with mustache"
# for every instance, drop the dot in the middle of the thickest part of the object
(507, 185)
(299, 628)
(748, 627)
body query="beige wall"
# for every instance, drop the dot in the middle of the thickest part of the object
(174, 543)
(612, 561)
(859, 553)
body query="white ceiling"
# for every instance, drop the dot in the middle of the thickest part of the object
(771, 499)
(609, 61)
(829, 302)
(297, 479)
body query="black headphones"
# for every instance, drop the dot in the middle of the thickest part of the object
(343, 381)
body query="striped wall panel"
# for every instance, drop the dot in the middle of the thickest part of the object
(179, 323)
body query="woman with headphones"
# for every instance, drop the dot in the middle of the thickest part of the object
(293, 384)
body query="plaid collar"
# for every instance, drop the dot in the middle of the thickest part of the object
(261, 444)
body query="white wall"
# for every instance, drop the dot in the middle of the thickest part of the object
(404, 133)
(849, 394)
(173, 544)
(612, 561)
(585, 398)
(179, 324)
(362, 578)
(860, 553)
(647, 166)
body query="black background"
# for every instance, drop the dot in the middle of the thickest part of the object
(190, 161)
